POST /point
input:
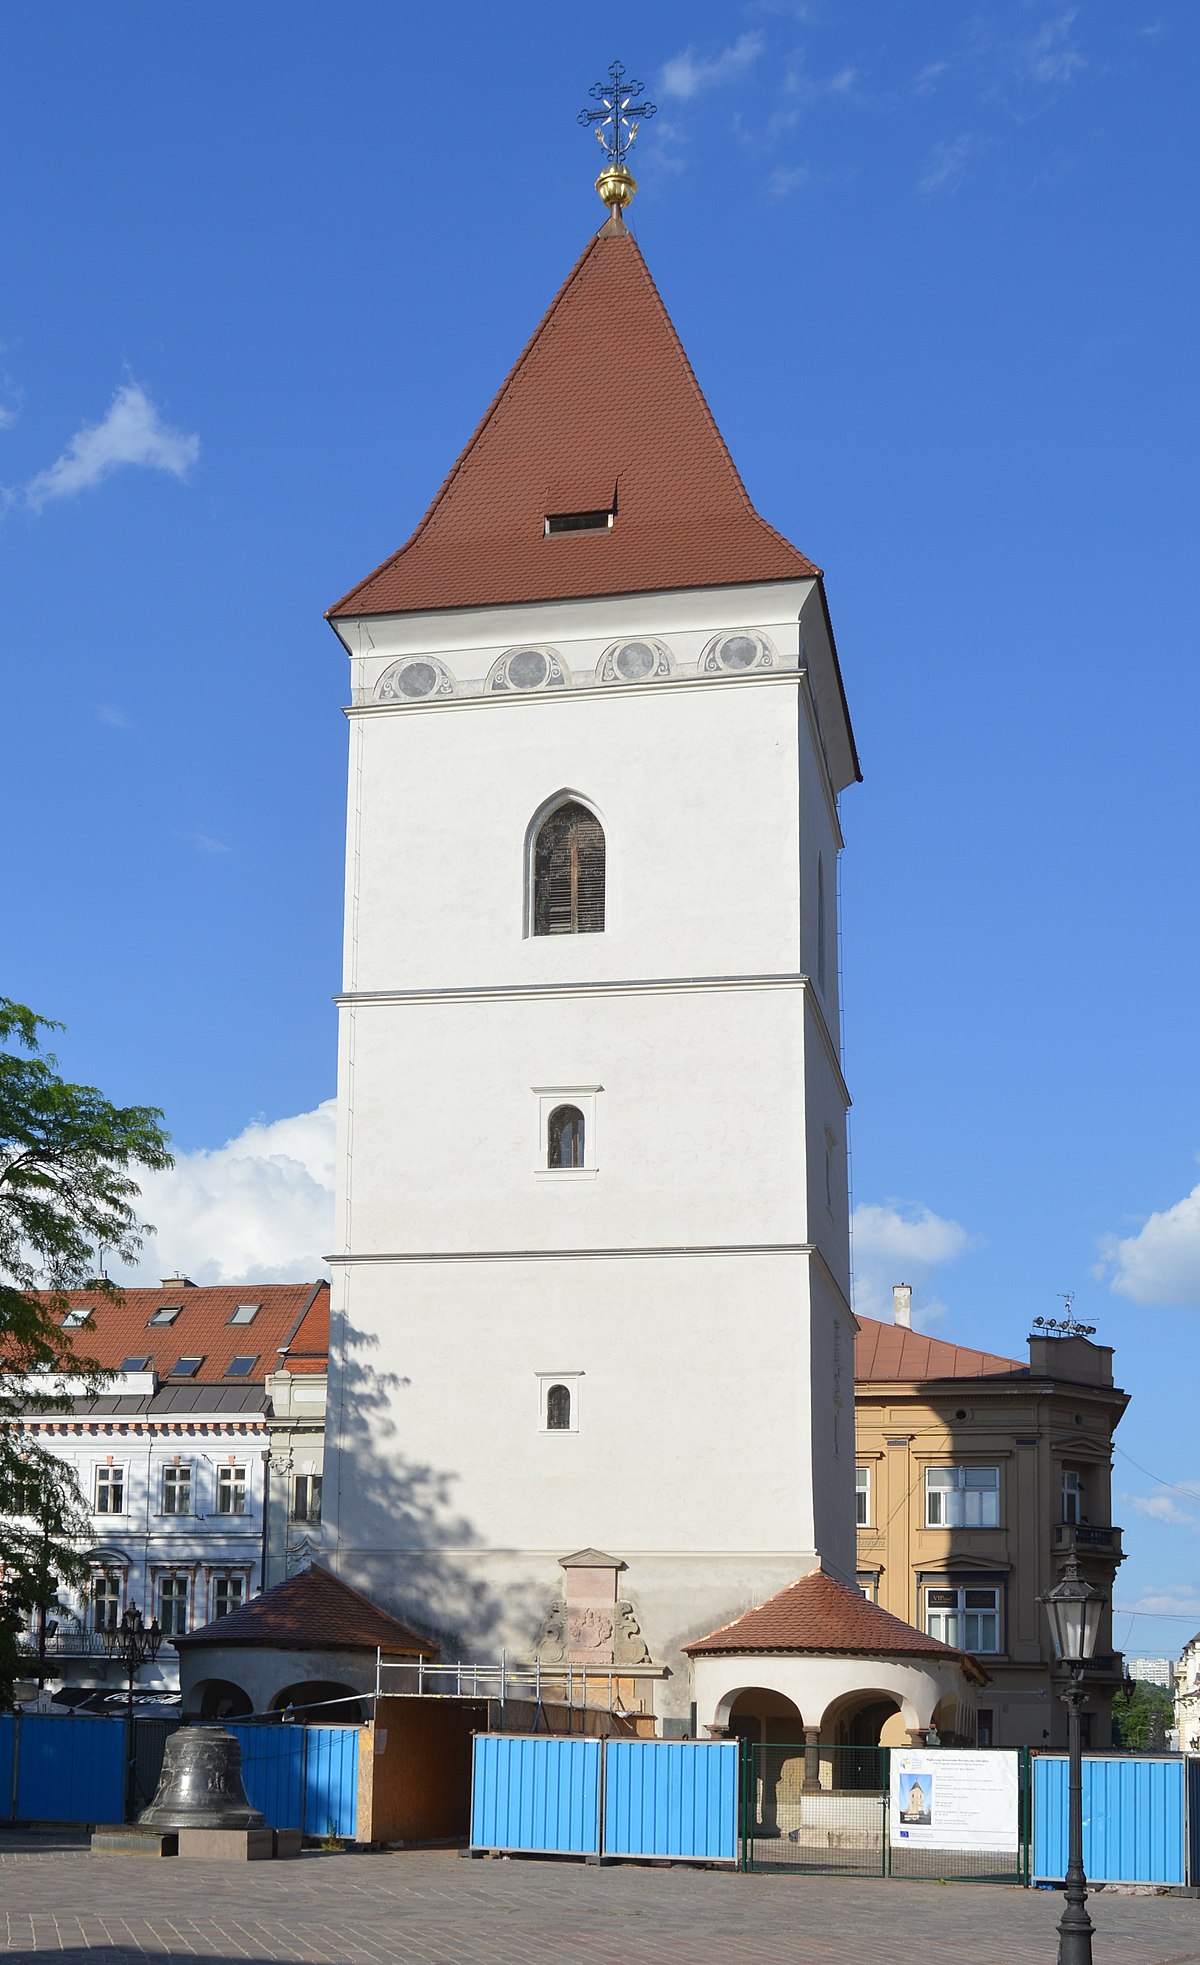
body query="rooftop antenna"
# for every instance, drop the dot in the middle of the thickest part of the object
(1068, 1326)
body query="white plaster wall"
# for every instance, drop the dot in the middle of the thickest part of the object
(814, 1684)
(673, 1278)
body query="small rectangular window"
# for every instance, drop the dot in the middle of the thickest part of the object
(965, 1616)
(962, 1497)
(862, 1496)
(228, 1595)
(110, 1490)
(231, 1490)
(594, 521)
(185, 1367)
(177, 1490)
(172, 1605)
(106, 1600)
(244, 1314)
(1072, 1496)
(306, 1498)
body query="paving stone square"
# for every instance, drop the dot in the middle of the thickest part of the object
(434, 1908)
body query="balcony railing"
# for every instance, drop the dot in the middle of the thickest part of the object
(67, 1644)
(1087, 1539)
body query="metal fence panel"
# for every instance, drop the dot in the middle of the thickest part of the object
(1133, 1819)
(70, 1769)
(823, 1809)
(149, 1746)
(674, 1798)
(331, 1780)
(273, 1771)
(994, 1847)
(536, 1792)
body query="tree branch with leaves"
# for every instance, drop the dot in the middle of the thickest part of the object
(67, 1189)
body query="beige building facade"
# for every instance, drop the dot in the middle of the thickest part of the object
(977, 1475)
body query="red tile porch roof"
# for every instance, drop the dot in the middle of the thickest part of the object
(819, 1614)
(314, 1611)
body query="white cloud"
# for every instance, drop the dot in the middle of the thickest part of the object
(1163, 1507)
(1160, 1264)
(1049, 56)
(109, 713)
(687, 74)
(204, 842)
(257, 1210)
(131, 433)
(788, 178)
(902, 1242)
(946, 165)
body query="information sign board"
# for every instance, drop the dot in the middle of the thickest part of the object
(954, 1798)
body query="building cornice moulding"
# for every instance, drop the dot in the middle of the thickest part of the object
(584, 1255)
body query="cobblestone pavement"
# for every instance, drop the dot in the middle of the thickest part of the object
(431, 1908)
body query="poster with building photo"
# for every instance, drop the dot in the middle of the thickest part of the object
(947, 1798)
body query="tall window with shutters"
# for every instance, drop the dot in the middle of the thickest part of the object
(568, 872)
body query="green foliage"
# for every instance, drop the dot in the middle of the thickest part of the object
(66, 1188)
(1141, 1717)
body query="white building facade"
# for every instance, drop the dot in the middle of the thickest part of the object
(591, 1375)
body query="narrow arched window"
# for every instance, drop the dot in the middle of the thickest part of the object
(564, 1137)
(821, 925)
(558, 1409)
(568, 872)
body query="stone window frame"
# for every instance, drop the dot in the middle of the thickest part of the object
(572, 1380)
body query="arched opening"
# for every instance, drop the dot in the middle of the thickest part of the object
(558, 1409)
(321, 1700)
(568, 872)
(564, 1137)
(219, 1698)
(772, 1724)
(855, 1731)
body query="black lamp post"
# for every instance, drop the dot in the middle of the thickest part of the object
(1074, 1609)
(132, 1641)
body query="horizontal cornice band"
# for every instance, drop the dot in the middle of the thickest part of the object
(573, 1255)
(421, 706)
(517, 992)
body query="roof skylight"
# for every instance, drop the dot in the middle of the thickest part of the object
(74, 1318)
(245, 1313)
(135, 1364)
(241, 1367)
(186, 1367)
(165, 1314)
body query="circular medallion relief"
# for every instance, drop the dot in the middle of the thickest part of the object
(639, 660)
(736, 653)
(526, 669)
(412, 678)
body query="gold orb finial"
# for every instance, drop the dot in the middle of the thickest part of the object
(616, 186)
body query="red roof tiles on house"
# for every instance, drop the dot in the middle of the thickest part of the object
(819, 1614)
(891, 1351)
(289, 1329)
(314, 1610)
(602, 403)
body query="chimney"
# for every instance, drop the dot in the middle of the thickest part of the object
(902, 1305)
(178, 1283)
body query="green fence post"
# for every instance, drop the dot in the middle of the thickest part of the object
(885, 1754)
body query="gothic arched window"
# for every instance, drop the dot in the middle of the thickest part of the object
(568, 872)
(558, 1409)
(564, 1137)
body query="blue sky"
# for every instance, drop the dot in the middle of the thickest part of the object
(265, 266)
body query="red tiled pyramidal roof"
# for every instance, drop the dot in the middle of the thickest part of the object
(601, 405)
(314, 1610)
(820, 1614)
(288, 1330)
(883, 1351)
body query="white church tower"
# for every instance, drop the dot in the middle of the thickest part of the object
(592, 1362)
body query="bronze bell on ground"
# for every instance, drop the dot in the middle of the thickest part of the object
(201, 1784)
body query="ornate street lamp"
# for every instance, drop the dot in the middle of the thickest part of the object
(1074, 1610)
(132, 1641)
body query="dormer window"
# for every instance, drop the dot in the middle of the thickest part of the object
(596, 521)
